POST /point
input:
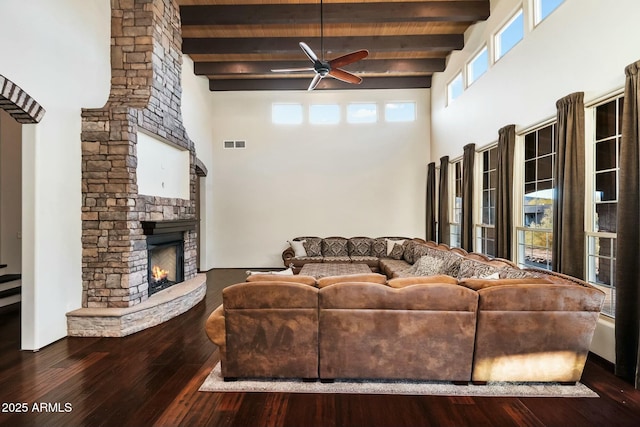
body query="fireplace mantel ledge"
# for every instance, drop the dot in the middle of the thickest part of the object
(120, 322)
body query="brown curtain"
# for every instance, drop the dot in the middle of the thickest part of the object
(443, 201)
(504, 191)
(627, 282)
(568, 209)
(466, 232)
(431, 203)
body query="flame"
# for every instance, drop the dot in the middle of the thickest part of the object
(158, 273)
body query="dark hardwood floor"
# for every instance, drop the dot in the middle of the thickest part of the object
(152, 378)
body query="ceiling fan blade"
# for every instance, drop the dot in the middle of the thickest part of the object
(306, 49)
(345, 76)
(291, 70)
(349, 58)
(315, 81)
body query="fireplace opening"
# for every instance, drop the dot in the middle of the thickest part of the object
(165, 260)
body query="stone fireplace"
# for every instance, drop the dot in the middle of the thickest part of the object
(122, 229)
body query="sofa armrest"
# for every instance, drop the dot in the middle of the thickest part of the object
(287, 255)
(215, 327)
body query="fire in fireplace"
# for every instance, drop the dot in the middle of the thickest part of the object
(165, 260)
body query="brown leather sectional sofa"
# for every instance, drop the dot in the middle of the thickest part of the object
(534, 326)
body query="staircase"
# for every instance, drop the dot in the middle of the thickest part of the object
(10, 291)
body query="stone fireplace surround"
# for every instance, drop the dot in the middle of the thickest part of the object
(145, 95)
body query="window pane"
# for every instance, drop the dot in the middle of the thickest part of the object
(606, 186)
(286, 114)
(362, 113)
(606, 156)
(508, 37)
(605, 218)
(478, 66)
(324, 114)
(546, 7)
(606, 120)
(530, 171)
(545, 141)
(530, 146)
(545, 168)
(400, 111)
(454, 89)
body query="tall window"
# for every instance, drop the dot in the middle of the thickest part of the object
(485, 232)
(509, 35)
(601, 239)
(456, 217)
(543, 8)
(535, 238)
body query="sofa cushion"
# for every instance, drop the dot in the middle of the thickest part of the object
(409, 251)
(299, 262)
(312, 245)
(359, 246)
(516, 273)
(369, 278)
(478, 284)
(394, 267)
(403, 282)
(379, 247)
(338, 259)
(470, 268)
(334, 247)
(427, 266)
(305, 280)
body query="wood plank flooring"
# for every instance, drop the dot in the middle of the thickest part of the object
(152, 378)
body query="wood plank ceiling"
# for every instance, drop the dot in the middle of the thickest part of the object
(236, 43)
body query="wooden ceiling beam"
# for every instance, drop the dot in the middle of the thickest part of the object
(326, 83)
(339, 45)
(366, 66)
(352, 13)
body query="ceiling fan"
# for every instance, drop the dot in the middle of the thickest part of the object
(325, 68)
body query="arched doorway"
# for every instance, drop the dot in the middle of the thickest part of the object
(16, 108)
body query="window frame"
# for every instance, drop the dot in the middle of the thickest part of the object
(485, 231)
(471, 77)
(537, 11)
(322, 123)
(412, 119)
(363, 122)
(274, 105)
(450, 87)
(497, 42)
(455, 209)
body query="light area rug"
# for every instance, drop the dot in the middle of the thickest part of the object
(215, 383)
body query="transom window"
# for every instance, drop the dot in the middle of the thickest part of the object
(509, 35)
(478, 66)
(400, 111)
(454, 89)
(362, 113)
(324, 114)
(286, 114)
(544, 8)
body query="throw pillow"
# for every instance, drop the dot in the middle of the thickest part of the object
(379, 248)
(359, 246)
(335, 247)
(312, 245)
(391, 244)
(287, 272)
(409, 250)
(427, 266)
(473, 269)
(513, 273)
(298, 248)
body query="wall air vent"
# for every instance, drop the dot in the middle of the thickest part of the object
(234, 144)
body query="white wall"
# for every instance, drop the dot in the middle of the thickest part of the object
(583, 46)
(197, 114)
(325, 180)
(10, 193)
(58, 52)
(163, 168)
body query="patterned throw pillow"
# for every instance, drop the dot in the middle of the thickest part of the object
(334, 246)
(420, 251)
(409, 250)
(359, 246)
(312, 245)
(475, 269)
(427, 266)
(396, 251)
(379, 248)
(514, 273)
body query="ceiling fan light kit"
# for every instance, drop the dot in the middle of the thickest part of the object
(331, 68)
